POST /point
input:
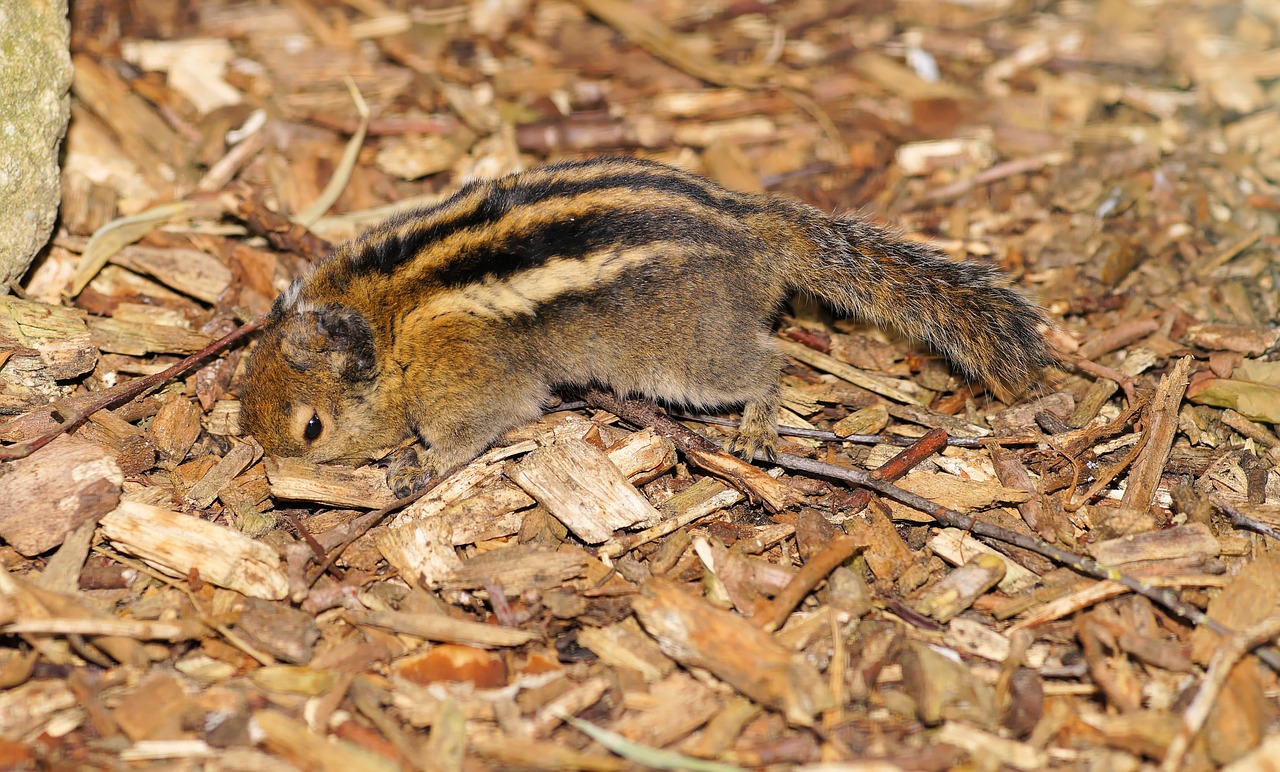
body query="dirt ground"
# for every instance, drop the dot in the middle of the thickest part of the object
(1084, 576)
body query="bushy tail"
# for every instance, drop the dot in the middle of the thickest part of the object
(965, 310)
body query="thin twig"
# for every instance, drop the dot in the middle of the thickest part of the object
(896, 467)
(1089, 367)
(861, 439)
(1224, 660)
(366, 522)
(952, 519)
(700, 451)
(998, 172)
(1241, 520)
(123, 392)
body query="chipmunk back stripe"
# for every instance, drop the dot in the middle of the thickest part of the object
(531, 292)
(602, 227)
(479, 205)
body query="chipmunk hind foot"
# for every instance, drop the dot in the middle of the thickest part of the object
(758, 432)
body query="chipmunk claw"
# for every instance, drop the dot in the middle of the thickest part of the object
(747, 446)
(406, 474)
(757, 433)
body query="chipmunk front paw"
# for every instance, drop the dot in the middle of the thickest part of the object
(406, 474)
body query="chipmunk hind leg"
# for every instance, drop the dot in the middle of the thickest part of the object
(758, 431)
(754, 384)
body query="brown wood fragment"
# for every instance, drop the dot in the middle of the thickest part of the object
(581, 487)
(62, 572)
(515, 752)
(814, 571)
(887, 555)
(703, 498)
(49, 495)
(697, 634)
(189, 271)
(702, 452)
(1013, 474)
(1100, 391)
(654, 724)
(293, 740)
(243, 202)
(625, 645)
(1117, 337)
(649, 33)
(181, 544)
(1246, 601)
(1162, 424)
(228, 467)
(518, 569)
(955, 592)
(723, 730)
(26, 708)
(943, 689)
(959, 547)
(1221, 668)
(175, 429)
(1251, 341)
(277, 630)
(152, 710)
(43, 341)
(1251, 429)
(643, 456)
(1189, 539)
(336, 486)
(139, 338)
(906, 460)
(145, 136)
(443, 628)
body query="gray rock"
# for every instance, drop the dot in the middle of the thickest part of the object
(35, 76)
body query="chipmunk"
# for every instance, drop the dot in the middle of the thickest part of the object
(456, 322)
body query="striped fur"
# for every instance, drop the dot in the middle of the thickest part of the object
(455, 322)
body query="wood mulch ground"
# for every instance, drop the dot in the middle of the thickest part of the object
(172, 599)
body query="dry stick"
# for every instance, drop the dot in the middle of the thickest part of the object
(952, 519)
(647, 32)
(1241, 520)
(893, 469)
(305, 535)
(1089, 367)
(815, 569)
(366, 522)
(1103, 480)
(998, 172)
(124, 392)
(1229, 652)
(860, 439)
(247, 205)
(1162, 424)
(1078, 441)
(1250, 429)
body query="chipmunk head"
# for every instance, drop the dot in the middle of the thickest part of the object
(311, 388)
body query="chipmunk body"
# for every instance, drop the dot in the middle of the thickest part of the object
(457, 321)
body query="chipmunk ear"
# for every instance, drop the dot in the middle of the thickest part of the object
(331, 337)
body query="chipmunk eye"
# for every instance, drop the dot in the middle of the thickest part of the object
(313, 428)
